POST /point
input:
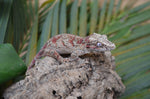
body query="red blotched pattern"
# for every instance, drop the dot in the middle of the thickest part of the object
(54, 39)
(71, 39)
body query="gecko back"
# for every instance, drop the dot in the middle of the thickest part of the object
(73, 45)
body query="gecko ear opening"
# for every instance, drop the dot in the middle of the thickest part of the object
(65, 55)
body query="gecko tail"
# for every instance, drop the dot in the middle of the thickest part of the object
(39, 55)
(31, 64)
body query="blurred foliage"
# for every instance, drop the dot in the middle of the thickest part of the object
(11, 64)
(28, 26)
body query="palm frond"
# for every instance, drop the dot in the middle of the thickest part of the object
(83, 18)
(46, 29)
(5, 13)
(62, 22)
(102, 16)
(74, 18)
(110, 11)
(55, 19)
(130, 21)
(13, 28)
(117, 8)
(32, 47)
(94, 16)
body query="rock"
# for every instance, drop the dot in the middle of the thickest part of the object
(89, 77)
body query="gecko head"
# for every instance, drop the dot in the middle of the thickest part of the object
(99, 43)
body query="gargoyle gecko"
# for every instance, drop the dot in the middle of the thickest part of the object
(73, 45)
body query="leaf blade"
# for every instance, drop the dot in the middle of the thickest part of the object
(110, 9)
(83, 19)
(62, 22)
(55, 20)
(5, 12)
(74, 18)
(139, 17)
(32, 47)
(94, 15)
(102, 16)
(10, 67)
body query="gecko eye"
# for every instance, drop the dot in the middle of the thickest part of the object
(99, 44)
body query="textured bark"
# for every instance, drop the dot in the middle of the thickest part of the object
(89, 77)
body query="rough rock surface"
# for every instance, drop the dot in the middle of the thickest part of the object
(89, 77)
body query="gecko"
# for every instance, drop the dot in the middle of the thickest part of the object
(73, 45)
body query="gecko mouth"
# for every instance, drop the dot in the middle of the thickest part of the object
(97, 49)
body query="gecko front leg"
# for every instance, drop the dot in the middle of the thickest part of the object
(54, 54)
(75, 55)
(48, 52)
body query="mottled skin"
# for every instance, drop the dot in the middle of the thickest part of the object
(74, 45)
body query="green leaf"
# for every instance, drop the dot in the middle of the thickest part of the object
(138, 32)
(137, 64)
(62, 22)
(83, 18)
(32, 47)
(94, 15)
(132, 45)
(4, 16)
(120, 34)
(136, 9)
(133, 63)
(133, 87)
(9, 32)
(55, 19)
(18, 25)
(129, 5)
(46, 29)
(102, 16)
(110, 9)
(126, 51)
(11, 64)
(31, 13)
(139, 17)
(46, 2)
(74, 18)
(117, 8)
(45, 9)
(142, 94)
